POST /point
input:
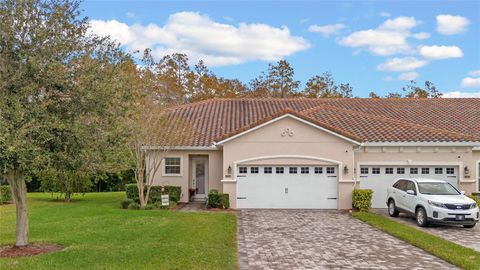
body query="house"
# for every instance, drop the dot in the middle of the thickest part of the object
(311, 153)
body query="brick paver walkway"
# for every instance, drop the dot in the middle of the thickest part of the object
(315, 239)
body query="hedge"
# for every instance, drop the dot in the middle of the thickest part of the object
(155, 193)
(362, 199)
(218, 200)
(5, 194)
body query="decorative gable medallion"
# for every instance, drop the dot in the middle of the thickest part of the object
(287, 132)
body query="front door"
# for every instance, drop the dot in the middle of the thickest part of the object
(200, 176)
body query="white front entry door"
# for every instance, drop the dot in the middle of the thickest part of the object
(297, 187)
(200, 176)
(379, 178)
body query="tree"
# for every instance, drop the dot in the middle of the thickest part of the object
(393, 95)
(172, 73)
(59, 89)
(373, 95)
(428, 91)
(324, 86)
(280, 80)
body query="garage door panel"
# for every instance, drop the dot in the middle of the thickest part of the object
(287, 190)
(379, 178)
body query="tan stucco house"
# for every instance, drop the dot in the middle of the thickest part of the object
(311, 153)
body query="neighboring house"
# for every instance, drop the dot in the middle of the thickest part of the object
(311, 153)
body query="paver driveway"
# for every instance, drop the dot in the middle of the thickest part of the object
(457, 234)
(315, 239)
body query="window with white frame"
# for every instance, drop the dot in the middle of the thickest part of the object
(425, 170)
(267, 170)
(254, 170)
(400, 170)
(363, 170)
(450, 170)
(375, 170)
(292, 170)
(242, 170)
(413, 170)
(388, 170)
(438, 170)
(279, 170)
(172, 165)
(318, 170)
(304, 170)
(330, 170)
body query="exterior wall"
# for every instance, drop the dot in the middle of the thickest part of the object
(476, 169)
(455, 156)
(185, 179)
(305, 141)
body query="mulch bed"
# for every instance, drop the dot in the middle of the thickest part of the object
(30, 250)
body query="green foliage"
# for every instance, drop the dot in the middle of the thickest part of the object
(125, 203)
(463, 257)
(174, 192)
(134, 206)
(5, 194)
(218, 200)
(149, 207)
(475, 198)
(362, 199)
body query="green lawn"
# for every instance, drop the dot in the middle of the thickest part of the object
(458, 255)
(98, 234)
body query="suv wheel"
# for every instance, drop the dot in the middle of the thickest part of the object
(392, 210)
(421, 217)
(469, 226)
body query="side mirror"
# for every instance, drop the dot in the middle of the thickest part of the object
(462, 192)
(410, 192)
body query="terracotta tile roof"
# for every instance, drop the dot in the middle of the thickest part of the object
(364, 120)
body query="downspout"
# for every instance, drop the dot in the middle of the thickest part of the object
(354, 167)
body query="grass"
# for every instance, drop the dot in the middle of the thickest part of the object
(98, 234)
(458, 255)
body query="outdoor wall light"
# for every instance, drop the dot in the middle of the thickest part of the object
(229, 170)
(466, 170)
(345, 169)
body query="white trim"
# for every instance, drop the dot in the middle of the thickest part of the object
(228, 181)
(478, 175)
(476, 148)
(172, 174)
(196, 148)
(348, 181)
(282, 117)
(476, 144)
(206, 176)
(467, 181)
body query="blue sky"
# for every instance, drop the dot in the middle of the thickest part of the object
(376, 45)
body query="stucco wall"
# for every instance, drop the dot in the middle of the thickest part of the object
(304, 141)
(214, 170)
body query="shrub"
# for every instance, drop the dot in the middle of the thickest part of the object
(475, 198)
(362, 199)
(155, 193)
(125, 203)
(5, 194)
(224, 201)
(218, 200)
(149, 206)
(134, 206)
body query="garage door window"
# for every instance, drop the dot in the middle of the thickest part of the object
(279, 170)
(413, 170)
(267, 170)
(330, 170)
(450, 170)
(400, 170)
(388, 170)
(292, 170)
(425, 170)
(304, 170)
(363, 170)
(375, 170)
(438, 170)
(318, 170)
(254, 170)
(242, 170)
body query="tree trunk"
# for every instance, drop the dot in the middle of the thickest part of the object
(19, 193)
(68, 196)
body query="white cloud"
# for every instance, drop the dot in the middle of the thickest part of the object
(402, 64)
(440, 52)
(326, 30)
(450, 25)
(421, 35)
(385, 14)
(387, 39)
(458, 94)
(202, 38)
(130, 15)
(470, 82)
(408, 76)
(475, 72)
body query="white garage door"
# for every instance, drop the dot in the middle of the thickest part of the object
(379, 178)
(313, 187)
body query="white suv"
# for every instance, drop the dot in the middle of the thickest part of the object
(432, 201)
